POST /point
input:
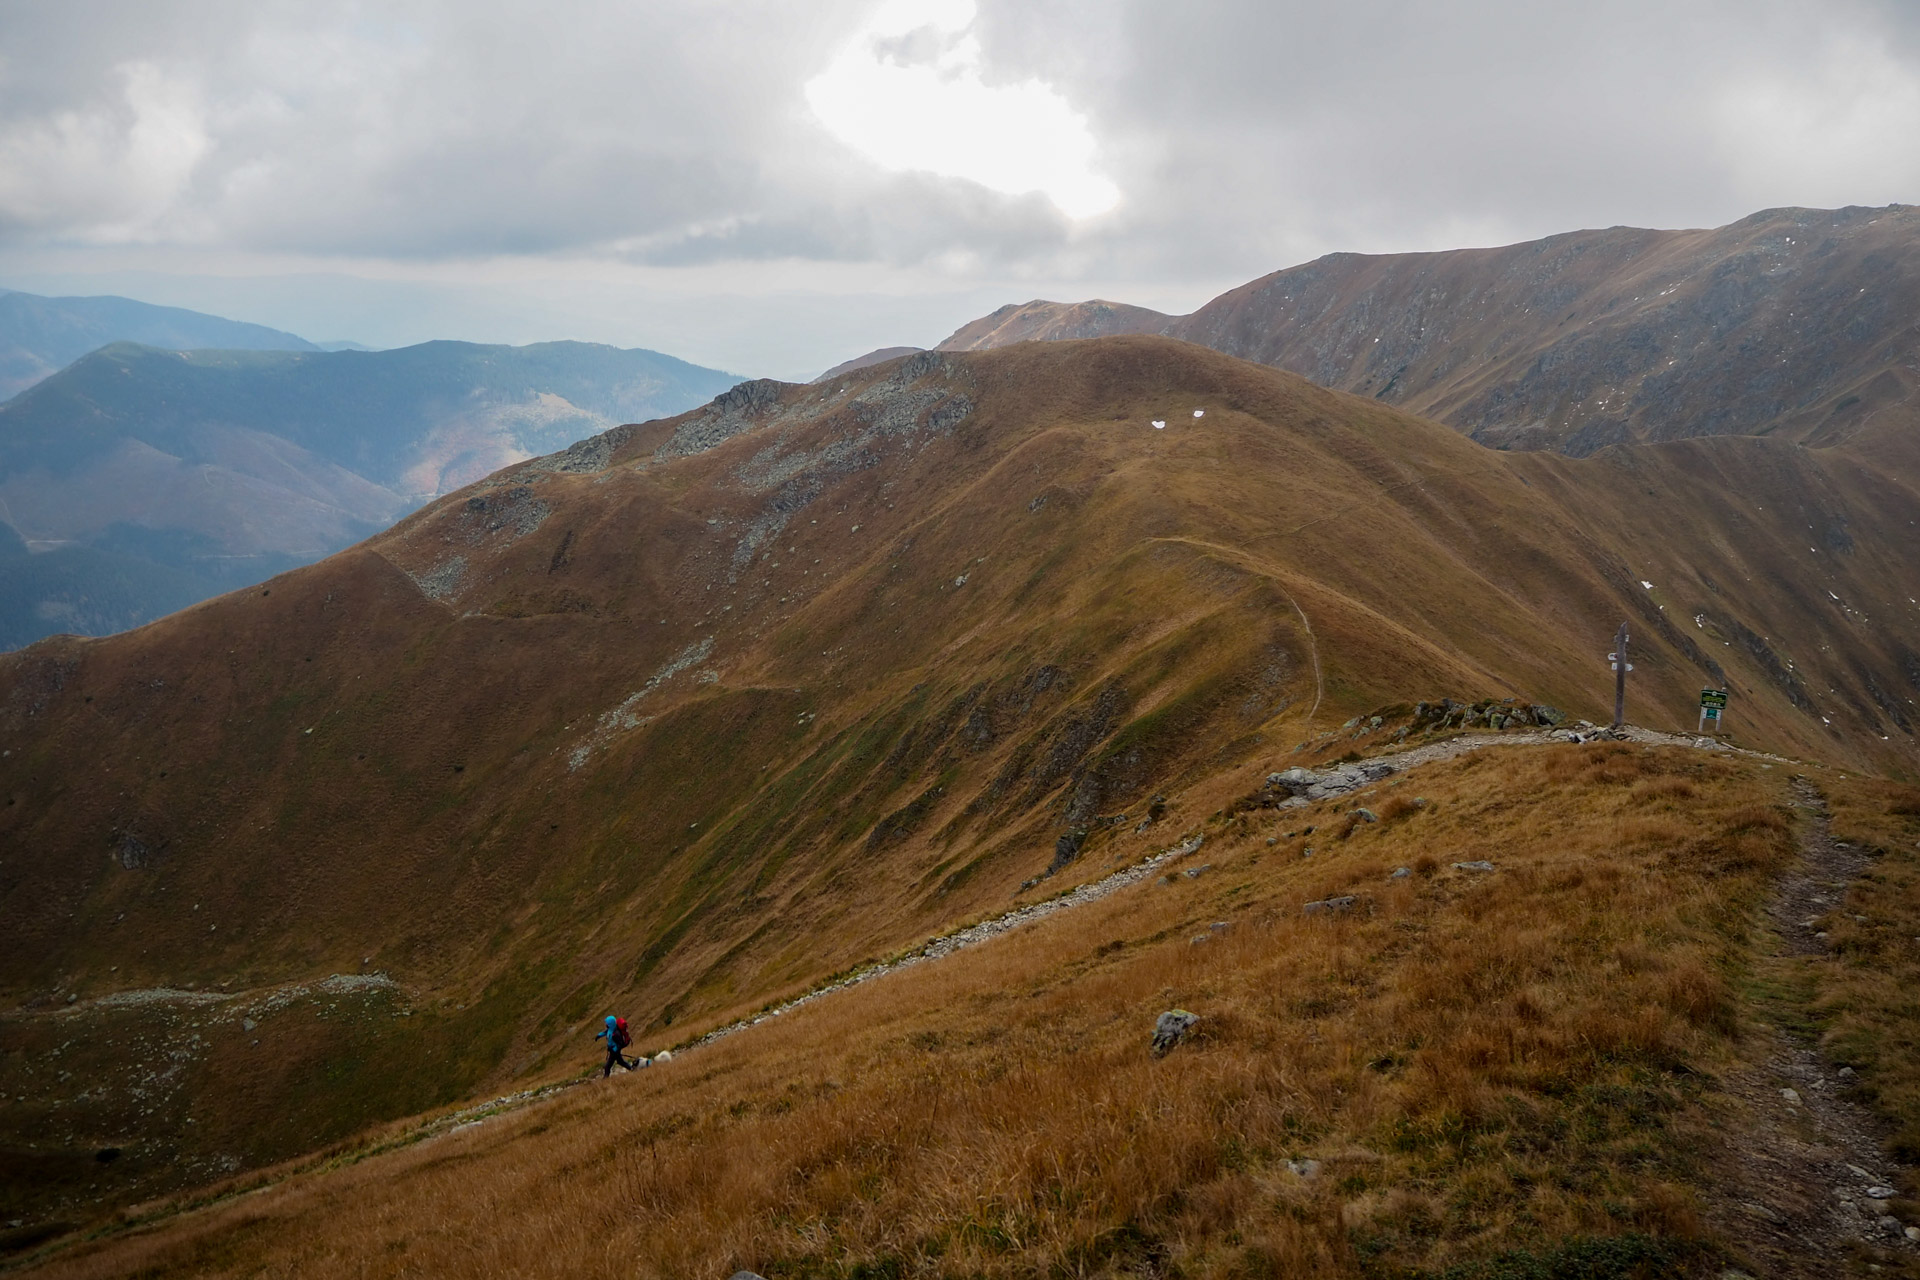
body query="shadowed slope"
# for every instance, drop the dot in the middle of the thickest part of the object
(700, 711)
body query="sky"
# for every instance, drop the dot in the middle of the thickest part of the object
(772, 186)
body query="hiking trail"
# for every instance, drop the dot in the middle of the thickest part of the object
(1809, 1154)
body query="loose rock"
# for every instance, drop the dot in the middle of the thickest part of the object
(1170, 1028)
(1400, 873)
(1473, 866)
(1327, 904)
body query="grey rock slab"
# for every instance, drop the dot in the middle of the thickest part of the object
(1473, 866)
(1296, 781)
(1344, 903)
(1170, 1028)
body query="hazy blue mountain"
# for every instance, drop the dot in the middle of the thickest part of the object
(209, 470)
(40, 336)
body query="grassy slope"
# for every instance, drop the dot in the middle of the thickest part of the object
(335, 772)
(1517, 1067)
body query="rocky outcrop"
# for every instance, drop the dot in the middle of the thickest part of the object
(1292, 788)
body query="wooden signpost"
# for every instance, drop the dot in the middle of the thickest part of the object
(1620, 668)
(1713, 707)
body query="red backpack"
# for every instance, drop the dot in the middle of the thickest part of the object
(620, 1037)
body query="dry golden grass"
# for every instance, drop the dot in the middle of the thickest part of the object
(1520, 1060)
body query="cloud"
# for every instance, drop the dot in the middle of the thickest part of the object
(106, 170)
(908, 92)
(1031, 147)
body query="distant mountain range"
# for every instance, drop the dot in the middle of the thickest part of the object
(41, 336)
(146, 479)
(1796, 323)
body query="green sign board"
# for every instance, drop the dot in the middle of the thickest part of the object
(1713, 701)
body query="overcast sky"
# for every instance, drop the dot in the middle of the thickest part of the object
(770, 186)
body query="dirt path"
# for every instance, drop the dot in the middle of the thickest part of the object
(1808, 1156)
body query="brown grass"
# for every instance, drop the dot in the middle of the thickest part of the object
(1480, 1063)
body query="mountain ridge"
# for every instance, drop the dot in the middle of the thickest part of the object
(39, 336)
(700, 711)
(1588, 338)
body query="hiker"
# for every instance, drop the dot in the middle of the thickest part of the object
(617, 1039)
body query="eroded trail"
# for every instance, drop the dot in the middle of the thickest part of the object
(1811, 1184)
